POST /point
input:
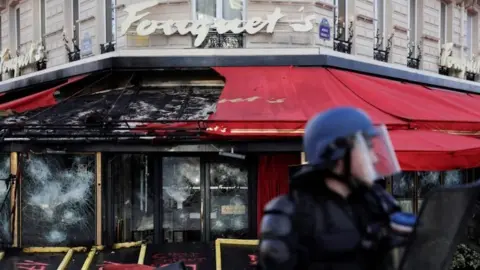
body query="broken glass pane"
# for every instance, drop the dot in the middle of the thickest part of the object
(402, 189)
(454, 177)
(133, 197)
(58, 200)
(181, 199)
(5, 234)
(229, 200)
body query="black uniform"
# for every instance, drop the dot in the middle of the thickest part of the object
(324, 231)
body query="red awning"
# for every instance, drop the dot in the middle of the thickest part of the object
(422, 150)
(37, 100)
(279, 100)
(422, 107)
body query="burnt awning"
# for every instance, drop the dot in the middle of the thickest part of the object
(113, 107)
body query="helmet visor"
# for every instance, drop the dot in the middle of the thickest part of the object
(374, 157)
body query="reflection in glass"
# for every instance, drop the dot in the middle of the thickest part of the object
(5, 235)
(402, 189)
(58, 200)
(225, 9)
(229, 201)
(427, 181)
(454, 177)
(182, 202)
(206, 9)
(133, 197)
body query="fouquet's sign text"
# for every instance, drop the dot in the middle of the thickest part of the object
(201, 28)
(34, 54)
(457, 64)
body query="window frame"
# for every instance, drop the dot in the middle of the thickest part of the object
(109, 6)
(376, 21)
(43, 18)
(218, 9)
(443, 31)
(469, 175)
(468, 48)
(336, 15)
(18, 31)
(75, 21)
(415, 22)
(155, 171)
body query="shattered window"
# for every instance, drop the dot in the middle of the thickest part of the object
(427, 181)
(402, 190)
(182, 199)
(58, 202)
(229, 201)
(454, 177)
(133, 195)
(5, 235)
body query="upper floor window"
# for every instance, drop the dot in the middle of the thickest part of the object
(379, 22)
(220, 9)
(341, 19)
(17, 29)
(110, 23)
(76, 24)
(443, 23)
(469, 37)
(412, 34)
(1, 43)
(43, 20)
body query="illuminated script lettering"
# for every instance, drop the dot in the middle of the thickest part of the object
(31, 265)
(201, 28)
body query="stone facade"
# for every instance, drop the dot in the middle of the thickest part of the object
(92, 27)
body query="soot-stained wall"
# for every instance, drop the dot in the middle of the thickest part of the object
(58, 199)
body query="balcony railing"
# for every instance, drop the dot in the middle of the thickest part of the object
(379, 53)
(412, 60)
(74, 52)
(471, 76)
(226, 41)
(107, 47)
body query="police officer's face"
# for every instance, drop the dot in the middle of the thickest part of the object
(363, 164)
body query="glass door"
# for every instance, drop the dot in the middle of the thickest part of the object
(228, 200)
(182, 200)
(204, 199)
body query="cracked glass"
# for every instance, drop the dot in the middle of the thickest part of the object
(427, 181)
(229, 201)
(182, 199)
(58, 199)
(402, 190)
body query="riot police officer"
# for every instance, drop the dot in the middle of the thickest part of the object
(335, 216)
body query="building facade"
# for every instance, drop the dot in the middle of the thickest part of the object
(172, 122)
(404, 32)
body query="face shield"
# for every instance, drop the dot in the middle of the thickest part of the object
(373, 157)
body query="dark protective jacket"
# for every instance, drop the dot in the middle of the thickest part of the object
(321, 231)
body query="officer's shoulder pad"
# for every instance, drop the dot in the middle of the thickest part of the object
(281, 203)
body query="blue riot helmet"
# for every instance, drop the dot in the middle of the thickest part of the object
(347, 134)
